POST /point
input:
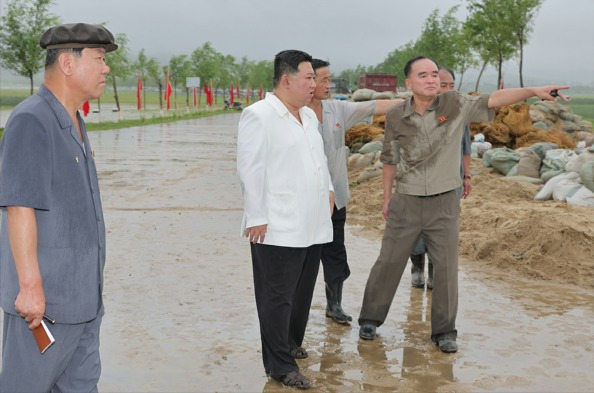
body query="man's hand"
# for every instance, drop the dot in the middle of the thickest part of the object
(544, 92)
(256, 234)
(466, 188)
(30, 304)
(385, 209)
(331, 203)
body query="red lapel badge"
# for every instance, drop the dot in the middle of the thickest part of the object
(337, 124)
(442, 119)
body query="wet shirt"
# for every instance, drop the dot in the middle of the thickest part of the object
(283, 174)
(338, 117)
(427, 148)
(45, 166)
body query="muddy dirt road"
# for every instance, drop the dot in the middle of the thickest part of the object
(181, 317)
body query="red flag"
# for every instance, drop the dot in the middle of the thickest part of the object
(247, 96)
(195, 101)
(138, 90)
(231, 97)
(168, 91)
(238, 93)
(501, 84)
(260, 93)
(210, 100)
(86, 107)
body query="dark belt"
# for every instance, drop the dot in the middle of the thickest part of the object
(434, 195)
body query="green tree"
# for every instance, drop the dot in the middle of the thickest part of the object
(466, 57)
(439, 38)
(205, 63)
(141, 65)
(119, 65)
(179, 69)
(261, 74)
(491, 34)
(353, 75)
(154, 72)
(20, 29)
(521, 14)
(395, 61)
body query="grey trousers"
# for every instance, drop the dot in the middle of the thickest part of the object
(437, 218)
(71, 364)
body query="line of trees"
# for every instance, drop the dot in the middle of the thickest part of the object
(493, 32)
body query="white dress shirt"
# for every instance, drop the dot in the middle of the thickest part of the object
(284, 174)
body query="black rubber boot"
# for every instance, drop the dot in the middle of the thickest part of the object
(333, 308)
(430, 275)
(417, 270)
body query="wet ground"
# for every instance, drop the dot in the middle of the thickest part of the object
(180, 309)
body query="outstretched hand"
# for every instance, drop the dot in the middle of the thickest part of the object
(544, 92)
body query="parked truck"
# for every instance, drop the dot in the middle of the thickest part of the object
(378, 82)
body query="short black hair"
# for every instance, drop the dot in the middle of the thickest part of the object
(287, 62)
(408, 65)
(448, 70)
(53, 54)
(318, 63)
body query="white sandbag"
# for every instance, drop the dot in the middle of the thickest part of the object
(360, 160)
(362, 95)
(479, 148)
(529, 165)
(565, 188)
(546, 192)
(371, 147)
(582, 197)
(574, 164)
(587, 175)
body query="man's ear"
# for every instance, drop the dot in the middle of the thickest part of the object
(407, 83)
(285, 81)
(66, 63)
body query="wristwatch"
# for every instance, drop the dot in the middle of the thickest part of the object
(468, 177)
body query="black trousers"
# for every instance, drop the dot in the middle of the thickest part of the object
(334, 255)
(284, 281)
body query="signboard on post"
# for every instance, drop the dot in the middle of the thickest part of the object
(193, 82)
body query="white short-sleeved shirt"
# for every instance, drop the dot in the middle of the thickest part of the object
(338, 117)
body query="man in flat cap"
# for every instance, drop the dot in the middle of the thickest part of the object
(52, 235)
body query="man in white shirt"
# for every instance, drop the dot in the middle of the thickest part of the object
(336, 118)
(288, 201)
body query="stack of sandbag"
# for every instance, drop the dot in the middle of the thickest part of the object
(522, 125)
(575, 184)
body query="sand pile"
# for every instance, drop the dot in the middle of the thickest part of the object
(503, 227)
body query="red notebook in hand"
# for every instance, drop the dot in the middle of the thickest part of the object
(43, 337)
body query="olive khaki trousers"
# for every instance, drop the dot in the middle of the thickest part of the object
(437, 218)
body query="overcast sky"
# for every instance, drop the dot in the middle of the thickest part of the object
(346, 32)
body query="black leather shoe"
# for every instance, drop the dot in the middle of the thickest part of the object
(447, 345)
(367, 330)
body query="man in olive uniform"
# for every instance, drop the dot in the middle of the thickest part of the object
(424, 139)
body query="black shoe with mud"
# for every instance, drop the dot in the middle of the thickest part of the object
(367, 331)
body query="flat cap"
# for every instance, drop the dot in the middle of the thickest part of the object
(78, 35)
